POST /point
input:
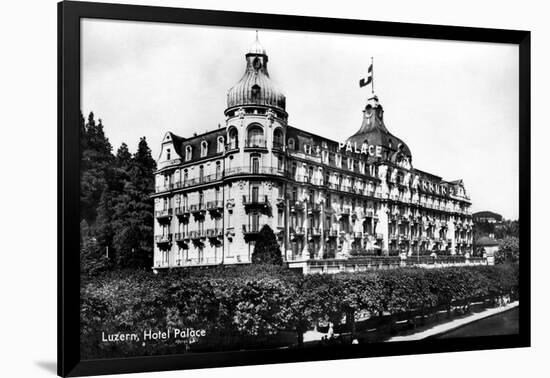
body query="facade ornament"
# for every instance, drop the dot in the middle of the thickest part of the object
(270, 115)
(241, 113)
(241, 184)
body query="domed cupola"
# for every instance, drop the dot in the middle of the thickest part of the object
(373, 131)
(256, 89)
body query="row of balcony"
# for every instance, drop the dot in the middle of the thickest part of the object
(189, 235)
(184, 211)
(254, 230)
(255, 143)
(281, 172)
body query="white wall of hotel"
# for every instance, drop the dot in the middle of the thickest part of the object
(224, 229)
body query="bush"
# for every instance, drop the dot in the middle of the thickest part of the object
(249, 305)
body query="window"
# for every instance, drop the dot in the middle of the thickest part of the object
(188, 153)
(167, 154)
(324, 154)
(278, 138)
(233, 138)
(220, 144)
(204, 148)
(338, 160)
(218, 170)
(255, 136)
(255, 164)
(280, 163)
(255, 91)
(307, 148)
(291, 144)
(201, 173)
(185, 177)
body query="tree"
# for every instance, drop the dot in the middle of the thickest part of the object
(133, 211)
(92, 257)
(266, 250)
(95, 167)
(508, 250)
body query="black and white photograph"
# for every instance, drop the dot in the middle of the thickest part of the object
(247, 189)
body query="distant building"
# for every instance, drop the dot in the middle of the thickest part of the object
(487, 217)
(324, 199)
(489, 247)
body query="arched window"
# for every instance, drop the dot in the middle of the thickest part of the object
(255, 136)
(233, 138)
(204, 148)
(220, 144)
(188, 153)
(278, 140)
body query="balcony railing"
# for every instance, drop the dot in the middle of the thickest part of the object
(181, 236)
(161, 239)
(296, 206)
(182, 211)
(278, 145)
(344, 212)
(259, 201)
(214, 232)
(214, 206)
(255, 143)
(299, 231)
(197, 207)
(251, 232)
(164, 188)
(165, 213)
(204, 179)
(313, 207)
(232, 145)
(314, 231)
(251, 170)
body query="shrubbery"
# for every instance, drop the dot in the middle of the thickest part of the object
(246, 305)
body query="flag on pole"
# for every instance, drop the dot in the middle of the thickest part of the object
(364, 82)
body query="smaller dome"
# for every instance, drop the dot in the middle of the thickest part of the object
(373, 131)
(257, 47)
(256, 87)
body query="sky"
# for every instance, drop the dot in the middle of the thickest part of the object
(455, 104)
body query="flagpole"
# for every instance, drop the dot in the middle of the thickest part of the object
(372, 73)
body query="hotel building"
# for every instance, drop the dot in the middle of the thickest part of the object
(325, 200)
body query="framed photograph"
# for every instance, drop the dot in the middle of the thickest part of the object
(240, 188)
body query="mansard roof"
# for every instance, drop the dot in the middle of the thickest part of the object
(211, 137)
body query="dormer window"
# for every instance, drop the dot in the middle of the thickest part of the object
(307, 148)
(255, 91)
(204, 148)
(220, 144)
(291, 144)
(188, 153)
(167, 154)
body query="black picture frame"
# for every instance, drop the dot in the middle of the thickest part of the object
(69, 16)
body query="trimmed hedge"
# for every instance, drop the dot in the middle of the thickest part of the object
(247, 305)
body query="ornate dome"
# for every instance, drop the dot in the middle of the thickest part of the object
(373, 131)
(255, 87)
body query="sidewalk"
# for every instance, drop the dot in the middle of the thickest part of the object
(442, 328)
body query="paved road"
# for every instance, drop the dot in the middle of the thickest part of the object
(505, 323)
